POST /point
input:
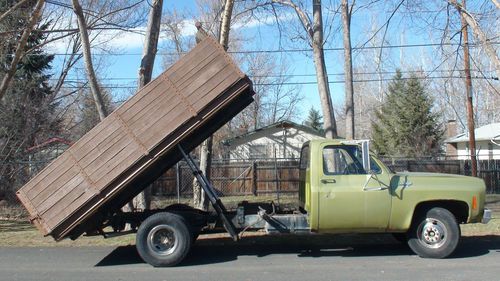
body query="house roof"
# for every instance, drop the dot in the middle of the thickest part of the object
(486, 132)
(282, 124)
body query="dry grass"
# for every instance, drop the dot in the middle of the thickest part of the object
(16, 231)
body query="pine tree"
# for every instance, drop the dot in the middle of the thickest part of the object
(27, 111)
(314, 120)
(406, 125)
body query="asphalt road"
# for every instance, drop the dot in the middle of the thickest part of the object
(374, 258)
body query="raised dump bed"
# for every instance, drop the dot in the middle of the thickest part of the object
(129, 149)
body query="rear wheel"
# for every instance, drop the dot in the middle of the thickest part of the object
(163, 239)
(434, 234)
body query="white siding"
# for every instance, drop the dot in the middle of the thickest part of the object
(485, 150)
(270, 143)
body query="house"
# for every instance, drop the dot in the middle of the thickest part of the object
(279, 140)
(487, 143)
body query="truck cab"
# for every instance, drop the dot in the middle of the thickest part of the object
(344, 188)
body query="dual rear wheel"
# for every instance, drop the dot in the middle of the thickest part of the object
(164, 239)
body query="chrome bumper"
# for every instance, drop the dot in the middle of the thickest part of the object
(486, 216)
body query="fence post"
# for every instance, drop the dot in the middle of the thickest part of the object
(178, 182)
(254, 178)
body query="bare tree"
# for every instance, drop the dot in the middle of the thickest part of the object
(35, 16)
(84, 36)
(13, 8)
(314, 31)
(348, 76)
(478, 33)
(200, 200)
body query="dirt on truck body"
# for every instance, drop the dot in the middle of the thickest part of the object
(136, 143)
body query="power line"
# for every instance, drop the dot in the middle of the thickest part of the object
(286, 50)
(76, 80)
(121, 86)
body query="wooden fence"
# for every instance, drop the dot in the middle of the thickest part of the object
(270, 176)
(235, 178)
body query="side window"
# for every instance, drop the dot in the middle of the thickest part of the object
(304, 158)
(340, 161)
(374, 166)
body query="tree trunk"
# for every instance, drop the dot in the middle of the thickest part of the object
(349, 90)
(143, 200)
(199, 197)
(87, 57)
(226, 24)
(479, 34)
(35, 16)
(329, 124)
(315, 34)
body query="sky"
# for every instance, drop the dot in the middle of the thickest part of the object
(121, 70)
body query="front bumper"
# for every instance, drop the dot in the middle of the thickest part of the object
(486, 216)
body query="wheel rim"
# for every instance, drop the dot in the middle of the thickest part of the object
(432, 233)
(161, 240)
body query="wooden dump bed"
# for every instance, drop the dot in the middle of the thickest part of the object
(129, 149)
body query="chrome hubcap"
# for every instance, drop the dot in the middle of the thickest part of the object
(432, 233)
(161, 240)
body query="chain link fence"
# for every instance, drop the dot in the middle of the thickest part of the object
(488, 170)
(260, 180)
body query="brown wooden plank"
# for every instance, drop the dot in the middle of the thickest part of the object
(202, 75)
(150, 99)
(138, 98)
(55, 198)
(212, 89)
(92, 146)
(106, 156)
(193, 67)
(128, 156)
(56, 185)
(186, 62)
(70, 203)
(102, 148)
(33, 187)
(50, 184)
(98, 131)
(150, 116)
(122, 155)
(167, 123)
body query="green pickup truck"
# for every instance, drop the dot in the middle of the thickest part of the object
(343, 189)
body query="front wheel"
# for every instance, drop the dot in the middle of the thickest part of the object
(163, 239)
(434, 234)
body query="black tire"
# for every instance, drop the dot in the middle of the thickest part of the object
(163, 239)
(434, 234)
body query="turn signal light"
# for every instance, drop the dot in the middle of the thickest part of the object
(474, 203)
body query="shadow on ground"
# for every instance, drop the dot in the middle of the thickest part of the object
(220, 250)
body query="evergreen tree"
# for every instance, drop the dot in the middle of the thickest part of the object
(314, 120)
(27, 111)
(406, 125)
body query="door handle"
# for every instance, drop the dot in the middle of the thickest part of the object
(328, 181)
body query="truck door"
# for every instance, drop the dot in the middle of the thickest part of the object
(349, 199)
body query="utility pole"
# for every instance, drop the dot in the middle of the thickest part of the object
(468, 88)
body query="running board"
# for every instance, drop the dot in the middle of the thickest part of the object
(211, 194)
